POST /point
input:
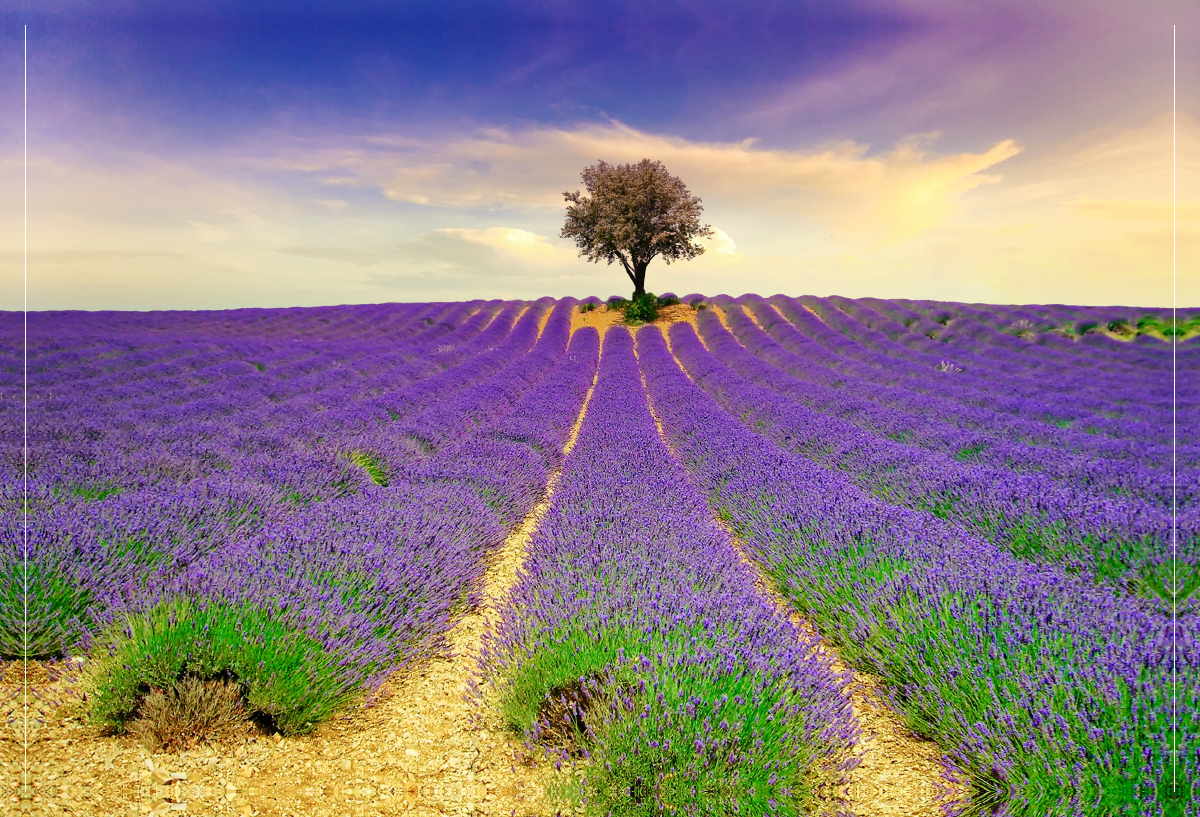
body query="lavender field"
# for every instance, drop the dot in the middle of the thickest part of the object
(979, 505)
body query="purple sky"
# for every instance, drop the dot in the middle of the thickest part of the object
(305, 153)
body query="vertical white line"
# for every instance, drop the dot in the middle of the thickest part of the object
(1174, 510)
(25, 432)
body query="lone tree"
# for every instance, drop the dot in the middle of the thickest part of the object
(634, 213)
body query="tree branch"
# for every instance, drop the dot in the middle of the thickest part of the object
(628, 269)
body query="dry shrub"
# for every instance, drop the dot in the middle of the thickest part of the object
(568, 711)
(190, 712)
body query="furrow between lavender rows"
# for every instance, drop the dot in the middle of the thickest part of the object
(314, 604)
(1053, 696)
(635, 645)
(123, 533)
(981, 384)
(967, 433)
(1123, 543)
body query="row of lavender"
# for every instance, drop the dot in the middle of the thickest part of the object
(1051, 693)
(969, 332)
(304, 598)
(334, 515)
(1070, 506)
(1006, 374)
(976, 427)
(182, 444)
(636, 640)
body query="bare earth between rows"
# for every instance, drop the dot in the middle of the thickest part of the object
(898, 773)
(417, 747)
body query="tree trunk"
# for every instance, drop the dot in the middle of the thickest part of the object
(639, 279)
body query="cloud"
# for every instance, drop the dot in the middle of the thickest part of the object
(336, 205)
(723, 243)
(445, 249)
(721, 248)
(204, 233)
(1080, 220)
(889, 196)
(38, 257)
(521, 243)
(1159, 212)
(362, 258)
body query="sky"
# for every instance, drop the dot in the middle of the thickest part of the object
(216, 155)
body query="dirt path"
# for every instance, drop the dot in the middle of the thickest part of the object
(412, 751)
(545, 320)
(602, 318)
(418, 748)
(899, 774)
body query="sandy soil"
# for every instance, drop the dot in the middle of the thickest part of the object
(602, 318)
(899, 774)
(417, 747)
(412, 750)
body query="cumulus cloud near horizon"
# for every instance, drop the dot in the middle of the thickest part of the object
(883, 198)
(1084, 220)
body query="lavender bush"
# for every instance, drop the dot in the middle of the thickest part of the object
(635, 636)
(976, 503)
(1052, 694)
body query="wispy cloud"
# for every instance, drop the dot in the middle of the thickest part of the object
(524, 244)
(1084, 220)
(887, 197)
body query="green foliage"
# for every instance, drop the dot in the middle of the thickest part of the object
(906, 645)
(588, 307)
(642, 309)
(95, 493)
(286, 676)
(969, 452)
(371, 465)
(670, 300)
(616, 302)
(1173, 583)
(623, 697)
(55, 600)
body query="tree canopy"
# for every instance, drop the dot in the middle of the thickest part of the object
(632, 214)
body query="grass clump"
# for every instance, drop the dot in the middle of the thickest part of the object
(970, 452)
(95, 493)
(588, 307)
(288, 679)
(642, 309)
(654, 729)
(371, 465)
